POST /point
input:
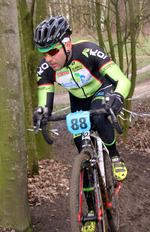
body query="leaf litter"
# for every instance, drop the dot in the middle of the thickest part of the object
(50, 184)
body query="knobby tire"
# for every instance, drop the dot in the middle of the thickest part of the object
(74, 195)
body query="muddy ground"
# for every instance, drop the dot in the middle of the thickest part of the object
(48, 193)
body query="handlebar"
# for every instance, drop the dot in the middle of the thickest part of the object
(43, 122)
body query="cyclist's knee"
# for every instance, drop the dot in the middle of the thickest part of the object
(99, 120)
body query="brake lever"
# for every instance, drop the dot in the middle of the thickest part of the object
(115, 121)
(114, 118)
(38, 126)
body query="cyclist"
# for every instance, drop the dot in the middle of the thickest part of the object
(88, 74)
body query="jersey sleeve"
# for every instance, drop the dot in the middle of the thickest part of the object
(45, 81)
(109, 70)
(114, 75)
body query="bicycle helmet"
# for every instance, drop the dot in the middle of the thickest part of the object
(51, 31)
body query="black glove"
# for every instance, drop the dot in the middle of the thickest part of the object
(40, 113)
(115, 102)
(37, 114)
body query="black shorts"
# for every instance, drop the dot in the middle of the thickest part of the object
(94, 102)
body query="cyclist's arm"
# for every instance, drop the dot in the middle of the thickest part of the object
(45, 86)
(46, 95)
(114, 75)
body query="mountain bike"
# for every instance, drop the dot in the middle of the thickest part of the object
(92, 186)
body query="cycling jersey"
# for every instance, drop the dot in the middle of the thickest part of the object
(87, 70)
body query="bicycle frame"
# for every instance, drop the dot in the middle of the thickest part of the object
(97, 156)
(101, 147)
(99, 153)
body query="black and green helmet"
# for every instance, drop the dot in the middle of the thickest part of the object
(51, 30)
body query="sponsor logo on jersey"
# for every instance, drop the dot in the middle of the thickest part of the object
(82, 77)
(77, 68)
(47, 88)
(43, 67)
(100, 94)
(38, 77)
(87, 51)
(62, 73)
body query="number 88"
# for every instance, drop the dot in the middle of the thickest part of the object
(82, 123)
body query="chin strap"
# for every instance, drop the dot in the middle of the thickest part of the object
(66, 53)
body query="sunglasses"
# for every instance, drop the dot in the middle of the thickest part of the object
(52, 52)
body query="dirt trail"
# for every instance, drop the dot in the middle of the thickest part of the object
(142, 90)
(50, 213)
(53, 215)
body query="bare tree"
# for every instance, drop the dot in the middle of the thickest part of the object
(19, 59)
(14, 207)
(29, 18)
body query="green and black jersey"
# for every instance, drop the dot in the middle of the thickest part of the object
(87, 70)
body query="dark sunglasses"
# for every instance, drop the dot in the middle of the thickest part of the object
(52, 52)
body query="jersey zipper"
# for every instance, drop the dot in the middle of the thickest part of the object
(76, 81)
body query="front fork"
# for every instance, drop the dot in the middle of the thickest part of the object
(99, 206)
(101, 147)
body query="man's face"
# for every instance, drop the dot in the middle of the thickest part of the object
(58, 60)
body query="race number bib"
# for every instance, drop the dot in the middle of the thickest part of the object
(78, 122)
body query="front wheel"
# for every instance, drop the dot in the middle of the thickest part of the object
(85, 195)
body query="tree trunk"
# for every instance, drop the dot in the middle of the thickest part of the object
(133, 64)
(108, 29)
(98, 23)
(119, 36)
(45, 151)
(14, 207)
(37, 148)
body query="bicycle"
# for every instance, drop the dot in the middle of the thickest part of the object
(93, 163)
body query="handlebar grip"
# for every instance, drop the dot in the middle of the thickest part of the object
(46, 135)
(115, 122)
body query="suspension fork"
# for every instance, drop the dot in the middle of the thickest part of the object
(100, 151)
(97, 195)
(101, 159)
(97, 198)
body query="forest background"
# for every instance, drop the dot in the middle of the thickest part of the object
(120, 27)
